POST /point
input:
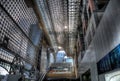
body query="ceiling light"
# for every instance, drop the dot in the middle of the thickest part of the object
(65, 57)
(66, 27)
(59, 47)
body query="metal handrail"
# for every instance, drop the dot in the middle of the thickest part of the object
(42, 76)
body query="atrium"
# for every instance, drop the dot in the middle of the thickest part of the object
(59, 40)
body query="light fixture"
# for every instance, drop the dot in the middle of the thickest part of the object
(65, 57)
(66, 27)
(59, 47)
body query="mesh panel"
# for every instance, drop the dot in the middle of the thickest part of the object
(19, 11)
(6, 55)
(5, 65)
(11, 36)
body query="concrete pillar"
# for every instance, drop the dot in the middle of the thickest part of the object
(94, 73)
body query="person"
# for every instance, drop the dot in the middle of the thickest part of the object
(60, 56)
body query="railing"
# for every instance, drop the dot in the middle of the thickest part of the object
(60, 68)
(42, 76)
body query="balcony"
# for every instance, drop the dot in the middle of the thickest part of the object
(92, 26)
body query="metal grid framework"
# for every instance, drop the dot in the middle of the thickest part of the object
(58, 11)
(6, 66)
(6, 55)
(74, 9)
(19, 11)
(57, 14)
(15, 21)
(63, 13)
(43, 9)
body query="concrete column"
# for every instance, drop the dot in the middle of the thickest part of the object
(94, 73)
(81, 77)
(43, 59)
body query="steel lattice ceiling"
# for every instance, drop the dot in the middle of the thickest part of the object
(63, 13)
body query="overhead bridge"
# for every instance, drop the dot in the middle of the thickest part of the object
(61, 70)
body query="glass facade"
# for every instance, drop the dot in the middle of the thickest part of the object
(110, 62)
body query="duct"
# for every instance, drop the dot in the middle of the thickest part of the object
(46, 19)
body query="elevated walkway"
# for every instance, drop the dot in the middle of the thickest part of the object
(61, 70)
